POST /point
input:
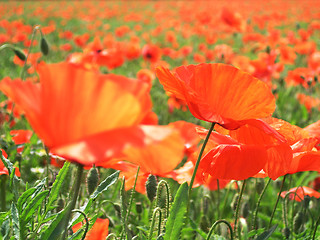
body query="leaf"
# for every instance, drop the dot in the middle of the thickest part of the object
(266, 234)
(14, 180)
(33, 206)
(54, 192)
(103, 186)
(177, 213)
(22, 199)
(55, 228)
(15, 221)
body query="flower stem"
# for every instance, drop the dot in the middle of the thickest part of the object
(218, 222)
(254, 223)
(238, 206)
(275, 206)
(156, 210)
(72, 203)
(199, 157)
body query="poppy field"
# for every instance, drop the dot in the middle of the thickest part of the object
(160, 120)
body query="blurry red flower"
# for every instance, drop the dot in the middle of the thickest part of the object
(151, 53)
(301, 192)
(87, 117)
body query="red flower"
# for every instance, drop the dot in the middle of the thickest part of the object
(82, 115)
(99, 230)
(301, 192)
(219, 93)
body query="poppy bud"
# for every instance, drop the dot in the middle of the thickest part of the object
(259, 186)
(234, 202)
(204, 223)
(245, 210)
(19, 54)
(117, 208)
(92, 180)
(306, 201)
(297, 222)
(315, 78)
(44, 46)
(268, 49)
(205, 205)
(286, 232)
(139, 207)
(151, 187)
(60, 205)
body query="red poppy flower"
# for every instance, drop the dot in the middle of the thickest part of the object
(98, 231)
(79, 113)
(219, 93)
(301, 192)
(151, 53)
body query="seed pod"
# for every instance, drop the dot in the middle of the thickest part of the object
(151, 187)
(234, 202)
(259, 185)
(139, 207)
(298, 222)
(92, 180)
(44, 46)
(204, 223)
(19, 54)
(245, 210)
(60, 205)
(286, 232)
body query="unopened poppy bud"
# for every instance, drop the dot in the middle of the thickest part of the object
(60, 205)
(19, 54)
(259, 186)
(286, 232)
(245, 210)
(204, 223)
(44, 46)
(151, 187)
(297, 222)
(234, 202)
(139, 207)
(268, 49)
(306, 201)
(316, 78)
(117, 208)
(92, 180)
(205, 206)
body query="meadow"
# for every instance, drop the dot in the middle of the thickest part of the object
(159, 120)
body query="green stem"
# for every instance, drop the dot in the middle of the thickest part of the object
(157, 209)
(225, 200)
(275, 206)
(35, 29)
(87, 222)
(218, 191)
(132, 195)
(254, 223)
(111, 235)
(199, 158)
(3, 179)
(238, 206)
(218, 222)
(72, 203)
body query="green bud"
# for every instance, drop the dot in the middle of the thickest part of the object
(204, 223)
(268, 49)
(139, 207)
(44, 46)
(151, 187)
(234, 202)
(92, 180)
(286, 232)
(298, 222)
(259, 185)
(60, 205)
(117, 208)
(18, 52)
(245, 210)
